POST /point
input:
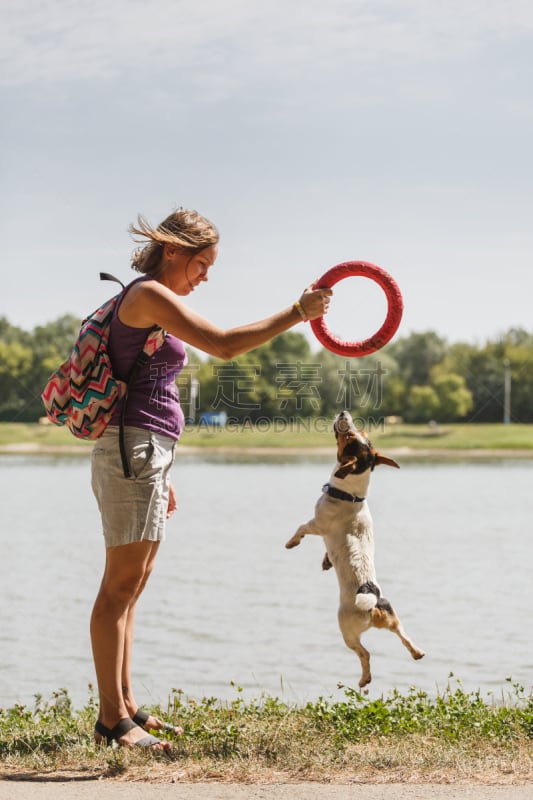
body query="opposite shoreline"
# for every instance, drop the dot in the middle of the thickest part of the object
(31, 448)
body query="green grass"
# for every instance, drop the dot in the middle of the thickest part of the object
(21, 433)
(392, 738)
(457, 437)
(303, 434)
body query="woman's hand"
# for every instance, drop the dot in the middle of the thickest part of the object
(315, 302)
(172, 502)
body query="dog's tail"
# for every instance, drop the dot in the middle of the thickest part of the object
(367, 596)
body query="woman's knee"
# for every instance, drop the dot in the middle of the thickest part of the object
(126, 573)
(116, 595)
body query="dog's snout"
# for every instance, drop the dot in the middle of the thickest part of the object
(344, 422)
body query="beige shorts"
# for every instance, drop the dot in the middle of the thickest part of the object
(132, 509)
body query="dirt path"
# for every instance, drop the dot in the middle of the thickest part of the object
(114, 790)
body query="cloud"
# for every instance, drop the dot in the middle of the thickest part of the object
(221, 46)
(311, 130)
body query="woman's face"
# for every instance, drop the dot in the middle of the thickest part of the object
(185, 272)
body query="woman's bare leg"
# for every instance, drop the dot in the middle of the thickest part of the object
(127, 690)
(126, 571)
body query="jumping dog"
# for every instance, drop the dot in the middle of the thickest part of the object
(342, 518)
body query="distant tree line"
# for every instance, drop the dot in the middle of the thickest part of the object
(418, 378)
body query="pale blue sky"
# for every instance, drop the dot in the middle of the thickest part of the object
(311, 132)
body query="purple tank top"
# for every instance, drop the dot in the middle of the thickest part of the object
(153, 398)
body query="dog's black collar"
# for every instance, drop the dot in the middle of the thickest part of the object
(340, 495)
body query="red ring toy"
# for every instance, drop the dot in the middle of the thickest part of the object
(392, 321)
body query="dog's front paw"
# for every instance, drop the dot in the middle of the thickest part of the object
(326, 563)
(294, 542)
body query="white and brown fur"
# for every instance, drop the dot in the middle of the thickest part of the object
(347, 529)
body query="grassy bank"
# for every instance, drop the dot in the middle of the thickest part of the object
(454, 737)
(301, 434)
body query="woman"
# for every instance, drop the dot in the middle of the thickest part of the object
(175, 259)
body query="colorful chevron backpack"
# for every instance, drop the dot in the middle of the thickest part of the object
(83, 392)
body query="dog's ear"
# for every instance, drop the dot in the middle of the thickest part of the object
(346, 468)
(379, 459)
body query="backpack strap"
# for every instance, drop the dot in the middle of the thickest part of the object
(142, 359)
(139, 362)
(106, 276)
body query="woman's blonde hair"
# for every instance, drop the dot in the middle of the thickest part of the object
(184, 228)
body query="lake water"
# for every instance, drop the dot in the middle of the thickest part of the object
(227, 603)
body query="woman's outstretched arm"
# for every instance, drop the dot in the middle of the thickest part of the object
(151, 303)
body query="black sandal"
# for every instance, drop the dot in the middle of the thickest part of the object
(141, 717)
(120, 729)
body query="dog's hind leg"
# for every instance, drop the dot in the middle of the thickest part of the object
(351, 636)
(384, 616)
(364, 658)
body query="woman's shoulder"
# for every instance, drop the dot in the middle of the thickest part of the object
(147, 287)
(131, 309)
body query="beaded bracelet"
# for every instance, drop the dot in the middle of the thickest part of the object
(299, 308)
